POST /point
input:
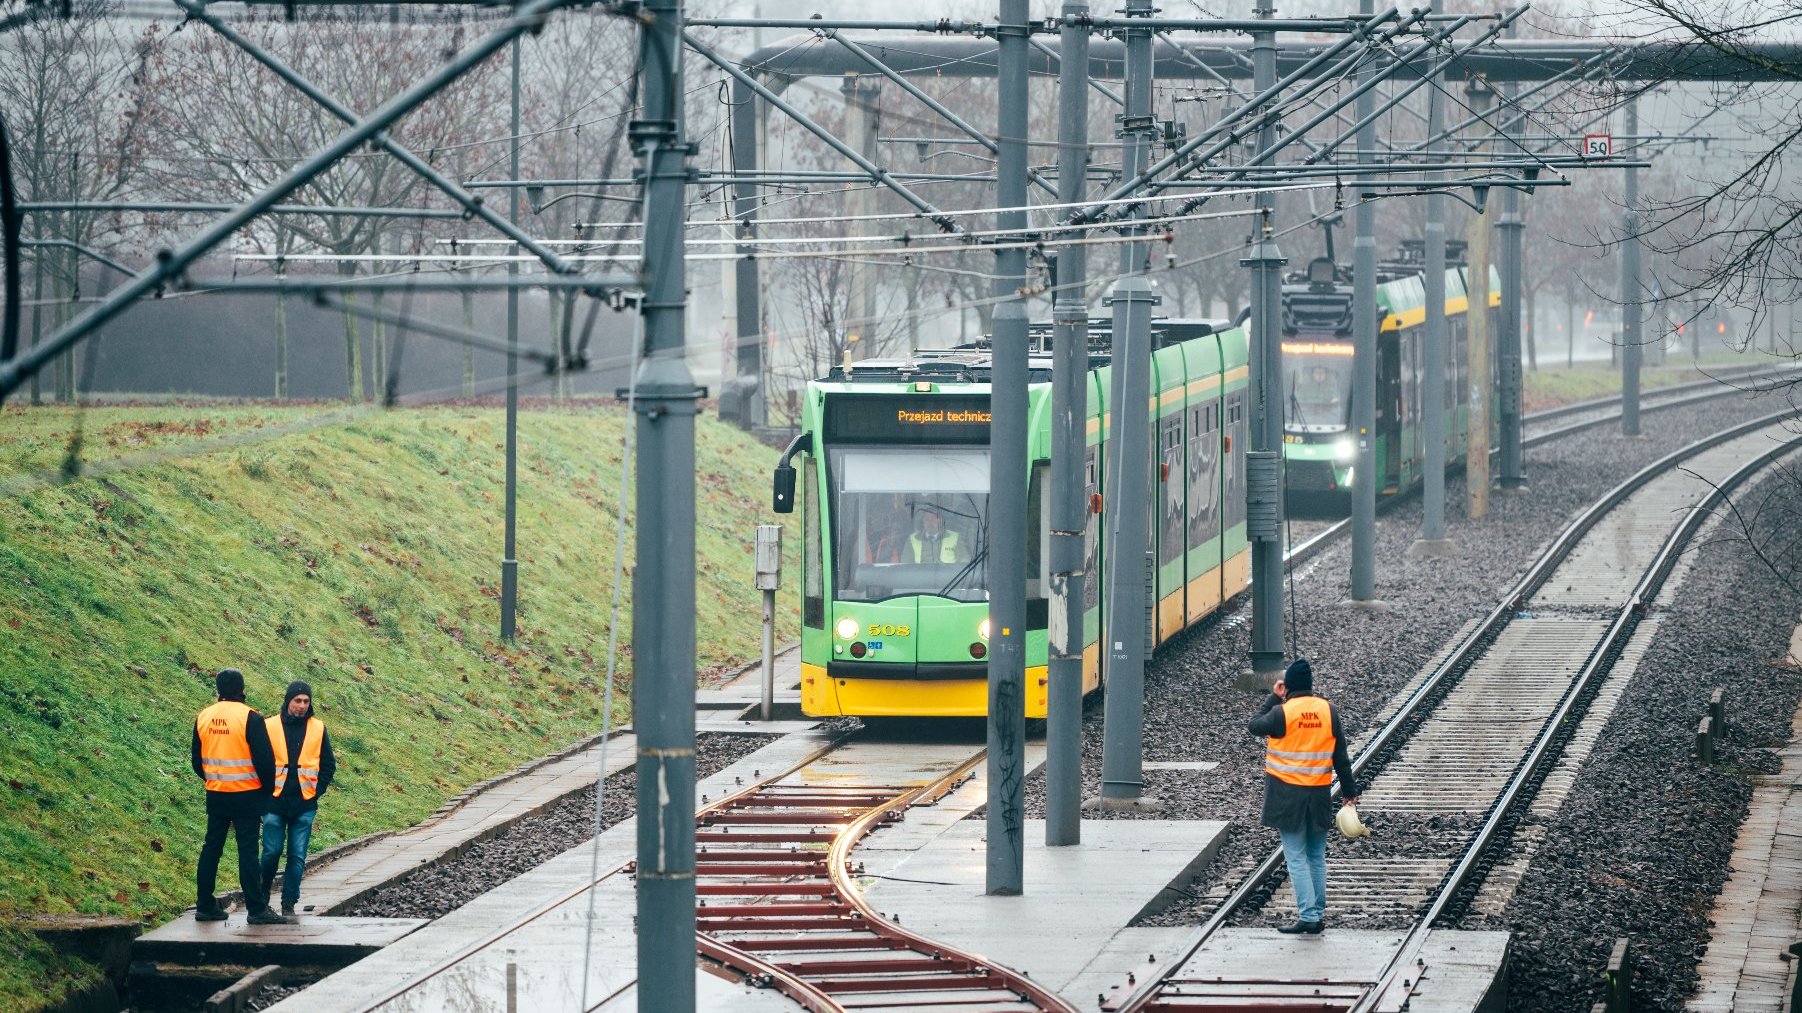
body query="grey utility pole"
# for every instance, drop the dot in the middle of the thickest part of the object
(1129, 463)
(1069, 438)
(510, 562)
(663, 582)
(1433, 384)
(1482, 391)
(1630, 290)
(1511, 229)
(1264, 463)
(1007, 474)
(1364, 352)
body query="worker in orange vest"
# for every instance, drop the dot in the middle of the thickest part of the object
(1305, 747)
(304, 766)
(232, 756)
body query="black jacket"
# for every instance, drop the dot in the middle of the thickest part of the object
(262, 756)
(291, 802)
(1293, 806)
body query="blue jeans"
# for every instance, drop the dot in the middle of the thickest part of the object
(1305, 851)
(296, 833)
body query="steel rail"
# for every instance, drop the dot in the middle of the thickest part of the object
(1455, 663)
(867, 919)
(1557, 727)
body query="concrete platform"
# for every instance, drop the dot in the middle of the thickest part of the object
(1461, 972)
(319, 942)
(1077, 900)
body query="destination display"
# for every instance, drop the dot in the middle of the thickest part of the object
(907, 418)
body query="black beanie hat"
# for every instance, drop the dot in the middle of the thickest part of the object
(1299, 676)
(296, 688)
(230, 684)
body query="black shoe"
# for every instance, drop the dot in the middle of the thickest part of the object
(1300, 928)
(288, 911)
(266, 916)
(216, 914)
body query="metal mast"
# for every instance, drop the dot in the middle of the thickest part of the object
(663, 627)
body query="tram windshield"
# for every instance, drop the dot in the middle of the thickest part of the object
(910, 520)
(1317, 391)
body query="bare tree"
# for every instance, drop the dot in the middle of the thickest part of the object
(73, 88)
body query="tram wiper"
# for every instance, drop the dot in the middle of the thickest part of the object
(981, 555)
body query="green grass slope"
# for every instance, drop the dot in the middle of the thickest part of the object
(359, 551)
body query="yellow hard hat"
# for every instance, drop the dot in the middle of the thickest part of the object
(1349, 824)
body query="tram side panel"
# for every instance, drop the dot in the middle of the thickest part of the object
(1201, 478)
(1170, 381)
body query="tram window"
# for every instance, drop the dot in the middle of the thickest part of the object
(1038, 533)
(909, 520)
(813, 583)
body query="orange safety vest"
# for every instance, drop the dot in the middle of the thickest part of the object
(224, 751)
(1303, 755)
(308, 767)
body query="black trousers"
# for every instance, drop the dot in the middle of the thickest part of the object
(242, 813)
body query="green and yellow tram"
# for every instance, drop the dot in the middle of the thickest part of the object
(894, 473)
(1319, 448)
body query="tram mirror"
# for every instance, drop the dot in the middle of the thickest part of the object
(784, 502)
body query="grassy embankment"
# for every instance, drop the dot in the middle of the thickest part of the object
(1553, 384)
(361, 555)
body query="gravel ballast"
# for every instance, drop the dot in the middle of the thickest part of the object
(437, 890)
(1362, 658)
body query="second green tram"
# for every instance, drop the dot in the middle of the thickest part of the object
(894, 472)
(1319, 447)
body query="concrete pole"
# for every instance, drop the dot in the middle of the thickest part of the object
(1129, 460)
(863, 122)
(1366, 480)
(746, 149)
(1007, 473)
(1432, 539)
(663, 625)
(1630, 292)
(1512, 228)
(1264, 464)
(1476, 456)
(510, 561)
(1069, 414)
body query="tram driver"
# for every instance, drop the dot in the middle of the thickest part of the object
(931, 542)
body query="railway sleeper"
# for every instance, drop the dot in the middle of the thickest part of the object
(753, 855)
(883, 965)
(721, 836)
(819, 888)
(711, 925)
(813, 943)
(765, 869)
(982, 980)
(772, 910)
(801, 818)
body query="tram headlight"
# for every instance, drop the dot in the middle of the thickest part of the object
(1345, 450)
(847, 628)
(982, 629)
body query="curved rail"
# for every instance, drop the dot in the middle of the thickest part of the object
(835, 944)
(1389, 736)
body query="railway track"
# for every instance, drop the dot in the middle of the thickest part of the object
(1308, 538)
(778, 899)
(781, 905)
(1466, 753)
